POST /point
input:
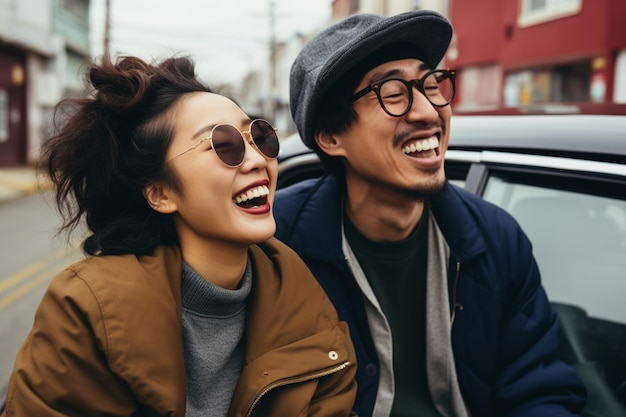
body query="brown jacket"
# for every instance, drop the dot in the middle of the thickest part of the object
(107, 340)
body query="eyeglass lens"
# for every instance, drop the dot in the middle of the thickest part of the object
(395, 95)
(265, 138)
(229, 145)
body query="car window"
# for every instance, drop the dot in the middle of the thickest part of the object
(578, 231)
(579, 242)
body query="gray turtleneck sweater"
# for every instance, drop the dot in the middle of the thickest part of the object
(213, 341)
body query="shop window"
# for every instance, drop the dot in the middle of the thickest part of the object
(479, 88)
(539, 11)
(573, 83)
(75, 69)
(4, 116)
(77, 8)
(619, 88)
(562, 84)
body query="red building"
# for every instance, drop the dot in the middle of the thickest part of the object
(559, 56)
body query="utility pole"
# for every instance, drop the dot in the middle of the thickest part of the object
(107, 27)
(272, 28)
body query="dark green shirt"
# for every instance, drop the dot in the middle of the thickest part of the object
(396, 272)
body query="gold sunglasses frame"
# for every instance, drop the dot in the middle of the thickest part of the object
(246, 135)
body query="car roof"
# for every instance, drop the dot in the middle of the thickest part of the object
(601, 137)
(582, 136)
(291, 146)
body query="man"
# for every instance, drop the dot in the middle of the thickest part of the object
(440, 288)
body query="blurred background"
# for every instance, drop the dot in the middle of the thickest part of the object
(513, 56)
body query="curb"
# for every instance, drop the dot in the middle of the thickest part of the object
(20, 182)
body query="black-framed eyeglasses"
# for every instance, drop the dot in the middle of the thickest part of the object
(395, 95)
(228, 142)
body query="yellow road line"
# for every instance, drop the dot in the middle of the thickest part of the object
(30, 270)
(20, 276)
(24, 276)
(25, 289)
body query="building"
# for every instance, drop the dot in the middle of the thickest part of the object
(512, 56)
(531, 56)
(266, 92)
(43, 47)
(344, 8)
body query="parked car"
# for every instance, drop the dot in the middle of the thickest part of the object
(563, 177)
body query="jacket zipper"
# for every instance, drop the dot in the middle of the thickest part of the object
(295, 380)
(455, 306)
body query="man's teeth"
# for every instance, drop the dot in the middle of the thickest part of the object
(261, 191)
(422, 145)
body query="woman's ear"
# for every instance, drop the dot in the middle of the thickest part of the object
(329, 143)
(158, 197)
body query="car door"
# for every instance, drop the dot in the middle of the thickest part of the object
(574, 213)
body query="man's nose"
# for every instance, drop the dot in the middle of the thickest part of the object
(422, 108)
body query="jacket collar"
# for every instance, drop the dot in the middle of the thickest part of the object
(454, 210)
(315, 225)
(313, 221)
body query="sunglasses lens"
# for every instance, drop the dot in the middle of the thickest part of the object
(265, 138)
(228, 144)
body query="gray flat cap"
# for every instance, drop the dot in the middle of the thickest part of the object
(339, 48)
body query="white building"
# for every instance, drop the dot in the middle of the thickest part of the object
(43, 46)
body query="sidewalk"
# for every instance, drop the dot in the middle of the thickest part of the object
(16, 182)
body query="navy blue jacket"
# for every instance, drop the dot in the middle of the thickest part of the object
(505, 332)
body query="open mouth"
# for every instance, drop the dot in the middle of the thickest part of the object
(422, 147)
(253, 197)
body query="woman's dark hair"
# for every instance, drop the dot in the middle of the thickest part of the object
(111, 145)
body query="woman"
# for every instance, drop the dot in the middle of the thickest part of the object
(185, 305)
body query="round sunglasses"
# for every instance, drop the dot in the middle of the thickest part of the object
(228, 142)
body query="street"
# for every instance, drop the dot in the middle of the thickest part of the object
(30, 255)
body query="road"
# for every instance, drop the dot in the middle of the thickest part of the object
(30, 255)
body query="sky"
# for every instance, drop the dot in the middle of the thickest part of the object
(226, 38)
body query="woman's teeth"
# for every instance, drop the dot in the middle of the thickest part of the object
(257, 192)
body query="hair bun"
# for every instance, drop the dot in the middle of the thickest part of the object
(122, 85)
